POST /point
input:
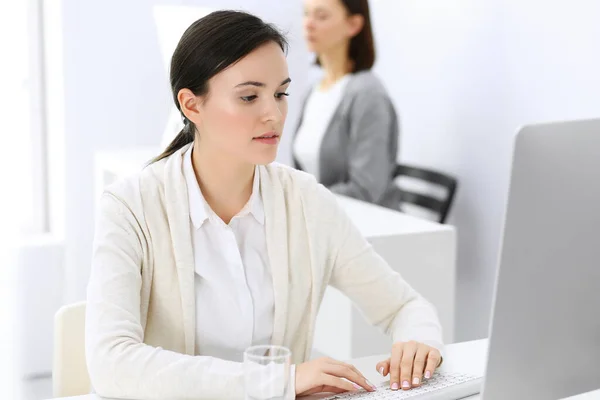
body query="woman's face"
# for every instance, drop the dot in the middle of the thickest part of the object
(243, 114)
(326, 25)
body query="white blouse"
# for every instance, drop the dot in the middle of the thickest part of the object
(318, 111)
(233, 282)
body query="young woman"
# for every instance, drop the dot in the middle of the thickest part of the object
(213, 248)
(348, 132)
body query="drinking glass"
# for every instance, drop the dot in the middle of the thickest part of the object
(267, 372)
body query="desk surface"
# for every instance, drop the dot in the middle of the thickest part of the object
(376, 221)
(467, 357)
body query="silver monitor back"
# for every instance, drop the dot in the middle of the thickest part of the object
(545, 331)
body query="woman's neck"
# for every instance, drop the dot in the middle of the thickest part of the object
(335, 64)
(226, 184)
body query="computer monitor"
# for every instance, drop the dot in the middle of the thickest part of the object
(545, 330)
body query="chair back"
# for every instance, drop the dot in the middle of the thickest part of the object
(69, 373)
(439, 204)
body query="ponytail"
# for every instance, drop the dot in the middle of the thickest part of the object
(184, 137)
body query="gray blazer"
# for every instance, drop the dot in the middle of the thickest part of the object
(358, 152)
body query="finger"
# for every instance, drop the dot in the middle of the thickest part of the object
(419, 364)
(348, 372)
(397, 350)
(332, 389)
(433, 361)
(339, 383)
(383, 367)
(406, 365)
(353, 368)
(361, 378)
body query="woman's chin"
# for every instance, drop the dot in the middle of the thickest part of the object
(265, 159)
(312, 47)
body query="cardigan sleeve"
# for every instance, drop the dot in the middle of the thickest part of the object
(120, 365)
(383, 296)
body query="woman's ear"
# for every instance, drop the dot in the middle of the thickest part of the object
(190, 105)
(356, 23)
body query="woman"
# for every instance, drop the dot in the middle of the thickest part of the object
(348, 131)
(212, 248)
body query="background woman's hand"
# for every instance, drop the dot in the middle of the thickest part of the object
(329, 375)
(410, 363)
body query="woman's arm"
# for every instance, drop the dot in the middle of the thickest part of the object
(119, 363)
(382, 295)
(371, 160)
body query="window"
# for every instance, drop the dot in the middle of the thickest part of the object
(22, 125)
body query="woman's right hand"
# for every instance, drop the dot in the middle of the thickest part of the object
(328, 375)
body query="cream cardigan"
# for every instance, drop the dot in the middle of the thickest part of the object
(140, 322)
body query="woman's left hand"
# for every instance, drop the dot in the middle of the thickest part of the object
(410, 363)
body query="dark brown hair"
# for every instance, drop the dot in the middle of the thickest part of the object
(206, 48)
(362, 46)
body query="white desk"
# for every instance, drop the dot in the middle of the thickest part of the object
(423, 252)
(466, 357)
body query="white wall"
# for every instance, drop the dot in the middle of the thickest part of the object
(443, 67)
(116, 95)
(553, 59)
(465, 75)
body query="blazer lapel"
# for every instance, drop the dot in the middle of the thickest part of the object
(332, 140)
(177, 206)
(298, 125)
(276, 235)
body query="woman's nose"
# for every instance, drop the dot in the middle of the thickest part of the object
(308, 24)
(273, 112)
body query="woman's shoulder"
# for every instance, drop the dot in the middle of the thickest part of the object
(137, 189)
(366, 81)
(300, 186)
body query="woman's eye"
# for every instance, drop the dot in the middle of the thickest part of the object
(281, 95)
(248, 99)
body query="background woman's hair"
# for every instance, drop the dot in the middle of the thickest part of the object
(206, 48)
(362, 46)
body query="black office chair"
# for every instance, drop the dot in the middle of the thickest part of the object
(440, 206)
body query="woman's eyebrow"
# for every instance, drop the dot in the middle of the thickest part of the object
(261, 84)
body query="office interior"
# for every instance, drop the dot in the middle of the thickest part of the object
(85, 97)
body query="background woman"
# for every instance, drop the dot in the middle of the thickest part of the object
(348, 132)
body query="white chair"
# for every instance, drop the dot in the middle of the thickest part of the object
(69, 373)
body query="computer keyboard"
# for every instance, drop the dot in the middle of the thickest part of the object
(441, 386)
